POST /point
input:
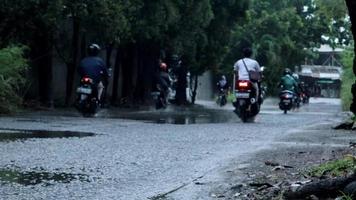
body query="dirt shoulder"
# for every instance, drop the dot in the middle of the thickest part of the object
(286, 165)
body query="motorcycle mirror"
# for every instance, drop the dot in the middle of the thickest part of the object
(263, 68)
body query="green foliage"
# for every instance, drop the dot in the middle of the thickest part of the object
(283, 33)
(348, 78)
(208, 33)
(12, 68)
(346, 197)
(335, 168)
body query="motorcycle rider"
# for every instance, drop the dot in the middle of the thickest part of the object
(288, 82)
(223, 88)
(94, 67)
(222, 83)
(252, 65)
(163, 79)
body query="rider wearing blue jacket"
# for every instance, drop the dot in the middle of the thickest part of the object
(94, 67)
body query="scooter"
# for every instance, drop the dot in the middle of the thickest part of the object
(246, 104)
(287, 100)
(221, 101)
(87, 102)
(159, 97)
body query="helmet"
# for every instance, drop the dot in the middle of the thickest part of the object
(223, 77)
(93, 49)
(287, 71)
(163, 66)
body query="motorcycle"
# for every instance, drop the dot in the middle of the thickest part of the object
(159, 97)
(87, 102)
(287, 100)
(246, 105)
(221, 101)
(304, 97)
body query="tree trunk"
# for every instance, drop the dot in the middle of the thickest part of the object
(45, 80)
(72, 65)
(181, 95)
(351, 4)
(116, 75)
(141, 62)
(127, 69)
(194, 92)
(323, 188)
(41, 55)
(109, 49)
(148, 55)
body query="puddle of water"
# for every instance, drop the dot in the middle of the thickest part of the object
(13, 135)
(31, 178)
(181, 117)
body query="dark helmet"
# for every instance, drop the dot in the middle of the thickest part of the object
(247, 52)
(93, 49)
(287, 71)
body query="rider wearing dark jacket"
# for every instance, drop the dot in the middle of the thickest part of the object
(94, 67)
(162, 79)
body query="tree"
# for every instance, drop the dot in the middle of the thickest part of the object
(351, 5)
(283, 33)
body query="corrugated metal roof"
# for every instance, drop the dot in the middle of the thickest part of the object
(320, 71)
(327, 49)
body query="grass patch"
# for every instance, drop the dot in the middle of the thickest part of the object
(346, 197)
(334, 168)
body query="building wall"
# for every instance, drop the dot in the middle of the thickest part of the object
(205, 86)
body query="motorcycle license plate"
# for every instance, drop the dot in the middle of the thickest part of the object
(84, 90)
(243, 95)
(286, 101)
(83, 97)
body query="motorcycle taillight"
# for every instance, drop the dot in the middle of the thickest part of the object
(87, 80)
(243, 85)
(287, 96)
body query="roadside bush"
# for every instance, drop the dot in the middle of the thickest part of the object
(12, 68)
(348, 78)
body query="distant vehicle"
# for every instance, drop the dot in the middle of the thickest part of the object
(159, 97)
(87, 102)
(222, 99)
(287, 100)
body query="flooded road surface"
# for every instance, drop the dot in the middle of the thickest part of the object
(7, 135)
(182, 116)
(142, 154)
(28, 178)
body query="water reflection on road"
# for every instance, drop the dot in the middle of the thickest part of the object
(8, 135)
(181, 116)
(27, 178)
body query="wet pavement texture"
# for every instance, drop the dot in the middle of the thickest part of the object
(140, 154)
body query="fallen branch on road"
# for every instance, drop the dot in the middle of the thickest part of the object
(330, 187)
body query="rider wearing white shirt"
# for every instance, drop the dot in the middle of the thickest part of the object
(252, 65)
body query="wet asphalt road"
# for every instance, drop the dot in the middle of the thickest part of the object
(137, 155)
